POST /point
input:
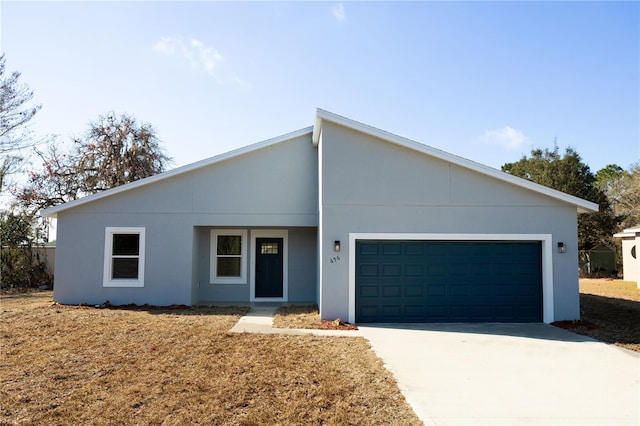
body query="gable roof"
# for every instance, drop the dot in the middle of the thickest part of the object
(53, 211)
(322, 116)
(315, 131)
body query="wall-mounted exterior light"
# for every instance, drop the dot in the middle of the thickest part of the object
(562, 248)
(336, 246)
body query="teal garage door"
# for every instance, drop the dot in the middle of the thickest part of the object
(448, 281)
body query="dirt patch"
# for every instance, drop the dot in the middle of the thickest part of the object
(307, 317)
(84, 365)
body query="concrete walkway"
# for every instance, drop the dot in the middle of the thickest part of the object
(260, 320)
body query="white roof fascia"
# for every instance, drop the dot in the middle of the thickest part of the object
(53, 211)
(317, 129)
(629, 232)
(624, 235)
(583, 206)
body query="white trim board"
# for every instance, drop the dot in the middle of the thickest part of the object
(544, 239)
(270, 233)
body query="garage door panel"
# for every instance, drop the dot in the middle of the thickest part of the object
(391, 249)
(502, 269)
(525, 291)
(367, 248)
(459, 269)
(437, 270)
(482, 312)
(368, 270)
(414, 311)
(368, 291)
(414, 249)
(437, 290)
(413, 270)
(437, 312)
(445, 281)
(480, 290)
(393, 270)
(368, 313)
(476, 269)
(459, 290)
(415, 291)
(390, 291)
(503, 289)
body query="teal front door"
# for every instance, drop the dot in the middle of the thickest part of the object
(269, 272)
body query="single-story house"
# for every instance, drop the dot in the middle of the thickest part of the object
(630, 254)
(372, 226)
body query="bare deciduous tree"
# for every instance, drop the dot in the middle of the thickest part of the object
(15, 113)
(114, 151)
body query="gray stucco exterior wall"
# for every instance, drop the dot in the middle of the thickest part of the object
(273, 187)
(372, 186)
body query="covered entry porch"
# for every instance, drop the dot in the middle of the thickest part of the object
(254, 265)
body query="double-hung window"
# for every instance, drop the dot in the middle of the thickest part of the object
(228, 256)
(124, 257)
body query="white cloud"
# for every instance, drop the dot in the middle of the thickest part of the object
(506, 137)
(338, 12)
(200, 57)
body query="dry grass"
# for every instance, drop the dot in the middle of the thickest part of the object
(617, 289)
(81, 365)
(613, 307)
(306, 316)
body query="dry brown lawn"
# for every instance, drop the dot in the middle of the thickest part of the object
(82, 365)
(610, 312)
(306, 317)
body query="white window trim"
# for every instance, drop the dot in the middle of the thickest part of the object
(544, 239)
(213, 278)
(107, 281)
(270, 233)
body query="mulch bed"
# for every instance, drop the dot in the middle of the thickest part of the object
(336, 325)
(576, 325)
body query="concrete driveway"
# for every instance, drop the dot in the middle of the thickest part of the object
(508, 374)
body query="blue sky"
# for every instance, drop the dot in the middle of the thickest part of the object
(484, 80)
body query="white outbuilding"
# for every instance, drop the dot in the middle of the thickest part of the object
(630, 253)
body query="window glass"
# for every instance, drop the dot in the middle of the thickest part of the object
(228, 266)
(269, 248)
(124, 268)
(229, 245)
(126, 244)
(228, 256)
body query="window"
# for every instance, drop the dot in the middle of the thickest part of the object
(269, 248)
(228, 256)
(124, 257)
